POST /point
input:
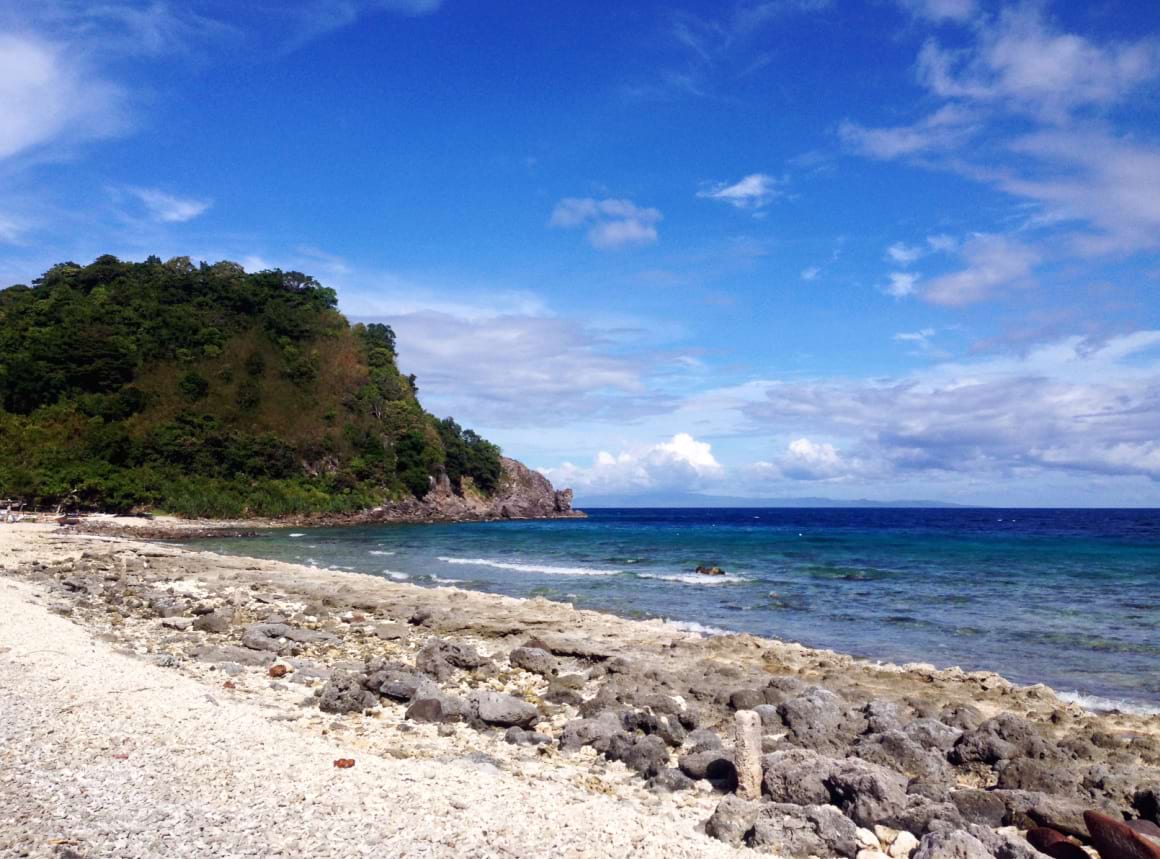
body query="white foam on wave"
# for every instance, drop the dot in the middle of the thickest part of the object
(297, 535)
(379, 552)
(699, 628)
(546, 569)
(439, 580)
(1100, 704)
(396, 575)
(695, 579)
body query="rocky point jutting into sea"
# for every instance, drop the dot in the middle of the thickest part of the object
(757, 743)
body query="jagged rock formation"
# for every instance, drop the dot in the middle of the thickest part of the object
(522, 494)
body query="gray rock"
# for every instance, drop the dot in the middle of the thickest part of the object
(770, 720)
(496, 708)
(669, 729)
(344, 693)
(797, 776)
(519, 737)
(898, 752)
(432, 704)
(711, 764)
(746, 699)
(395, 680)
(732, 820)
(1028, 774)
(932, 734)
(882, 716)
(703, 739)
(923, 815)
(440, 658)
(1002, 845)
(670, 780)
(217, 622)
(275, 637)
(965, 717)
(865, 792)
(797, 831)
(179, 623)
(565, 689)
(814, 719)
(535, 661)
(391, 631)
(647, 755)
(979, 806)
(933, 790)
(596, 732)
(954, 844)
(230, 653)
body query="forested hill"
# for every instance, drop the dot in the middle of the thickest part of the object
(204, 390)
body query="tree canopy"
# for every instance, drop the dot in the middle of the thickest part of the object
(205, 390)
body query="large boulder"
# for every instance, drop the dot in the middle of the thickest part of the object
(865, 792)
(802, 831)
(506, 711)
(733, 819)
(439, 658)
(394, 680)
(712, 764)
(951, 844)
(932, 734)
(899, 752)
(797, 776)
(535, 661)
(814, 720)
(344, 693)
(280, 637)
(647, 755)
(596, 732)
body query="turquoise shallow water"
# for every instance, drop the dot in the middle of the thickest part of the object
(1070, 598)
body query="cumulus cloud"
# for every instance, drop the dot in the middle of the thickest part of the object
(811, 460)
(611, 224)
(755, 191)
(993, 263)
(168, 208)
(811, 272)
(49, 94)
(902, 284)
(681, 462)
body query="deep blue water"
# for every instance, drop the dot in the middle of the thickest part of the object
(1070, 598)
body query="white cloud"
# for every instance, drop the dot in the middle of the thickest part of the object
(1112, 183)
(902, 284)
(612, 224)
(942, 243)
(682, 462)
(941, 10)
(810, 460)
(904, 254)
(1021, 62)
(993, 263)
(755, 191)
(811, 273)
(50, 94)
(168, 208)
(923, 336)
(948, 127)
(1070, 406)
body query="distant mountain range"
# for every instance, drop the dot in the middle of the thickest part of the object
(695, 499)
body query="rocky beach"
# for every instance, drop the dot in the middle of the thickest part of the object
(160, 701)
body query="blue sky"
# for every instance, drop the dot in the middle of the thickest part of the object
(888, 249)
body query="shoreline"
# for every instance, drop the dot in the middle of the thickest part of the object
(151, 599)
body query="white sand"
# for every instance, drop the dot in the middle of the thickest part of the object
(107, 755)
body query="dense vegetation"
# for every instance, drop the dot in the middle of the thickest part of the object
(204, 390)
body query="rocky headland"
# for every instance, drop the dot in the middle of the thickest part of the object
(763, 745)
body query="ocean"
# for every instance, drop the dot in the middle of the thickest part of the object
(1070, 598)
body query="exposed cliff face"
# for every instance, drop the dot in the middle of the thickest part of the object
(522, 494)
